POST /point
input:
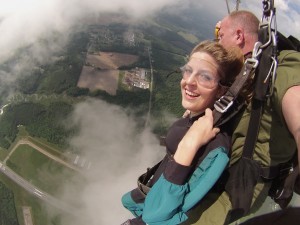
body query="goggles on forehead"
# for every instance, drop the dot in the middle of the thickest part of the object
(217, 29)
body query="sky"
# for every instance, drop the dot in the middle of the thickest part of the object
(110, 141)
(24, 22)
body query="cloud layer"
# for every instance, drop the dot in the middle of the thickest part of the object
(24, 22)
(118, 153)
(107, 134)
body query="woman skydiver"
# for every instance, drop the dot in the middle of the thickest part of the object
(197, 152)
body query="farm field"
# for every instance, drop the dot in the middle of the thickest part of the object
(101, 71)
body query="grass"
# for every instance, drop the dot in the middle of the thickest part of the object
(40, 170)
(3, 153)
(43, 172)
(49, 147)
(189, 37)
(121, 85)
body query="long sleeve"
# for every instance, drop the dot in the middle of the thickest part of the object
(173, 195)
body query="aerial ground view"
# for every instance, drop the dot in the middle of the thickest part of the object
(86, 95)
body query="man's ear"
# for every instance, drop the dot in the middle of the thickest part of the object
(240, 36)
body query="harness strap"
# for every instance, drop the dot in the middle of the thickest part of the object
(264, 74)
(145, 178)
(260, 93)
(226, 101)
(253, 128)
(280, 170)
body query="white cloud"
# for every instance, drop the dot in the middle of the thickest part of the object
(119, 153)
(24, 22)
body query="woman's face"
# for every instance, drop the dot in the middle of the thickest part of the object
(199, 84)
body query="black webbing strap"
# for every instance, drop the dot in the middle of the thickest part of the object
(253, 128)
(262, 77)
(144, 179)
(226, 101)
(262, 83)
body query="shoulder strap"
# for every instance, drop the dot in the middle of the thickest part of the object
(264, 77)
(223, 104)
(253, 128)
(261, 91)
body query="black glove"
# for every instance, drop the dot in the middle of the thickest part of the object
(127, 222)
(135, 221)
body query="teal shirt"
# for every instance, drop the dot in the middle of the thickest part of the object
(176, 188)
(167, 203)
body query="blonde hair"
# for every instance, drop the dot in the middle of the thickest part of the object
(229, 61)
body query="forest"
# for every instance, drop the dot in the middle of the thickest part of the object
(44, 121)
(7, 207)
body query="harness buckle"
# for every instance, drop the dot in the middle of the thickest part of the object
(256, 49)
(252, 61)
(223, 104)
(255, 53)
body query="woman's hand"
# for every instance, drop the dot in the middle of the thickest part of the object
(202, 130)
(199, 134)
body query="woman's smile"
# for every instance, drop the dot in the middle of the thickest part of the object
(191, 94)
(198, 75)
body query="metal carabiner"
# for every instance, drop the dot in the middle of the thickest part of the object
(269, 23)
(256, 49)
(255, 53)
(267, 5)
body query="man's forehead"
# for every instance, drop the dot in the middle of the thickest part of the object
(224, 23)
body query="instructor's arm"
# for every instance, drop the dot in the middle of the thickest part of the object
(290, 110)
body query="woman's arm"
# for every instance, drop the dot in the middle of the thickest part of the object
(176, 191)
(168, 202)
(199, 134)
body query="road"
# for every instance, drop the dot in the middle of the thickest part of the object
(41, 150)
(32, 188)
(27, 215)
(35, 191)
(150, 88)
(2, 109)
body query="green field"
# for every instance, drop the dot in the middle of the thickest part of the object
(43, 172)
(38, 169)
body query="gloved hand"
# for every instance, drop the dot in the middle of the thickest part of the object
(127, 222)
